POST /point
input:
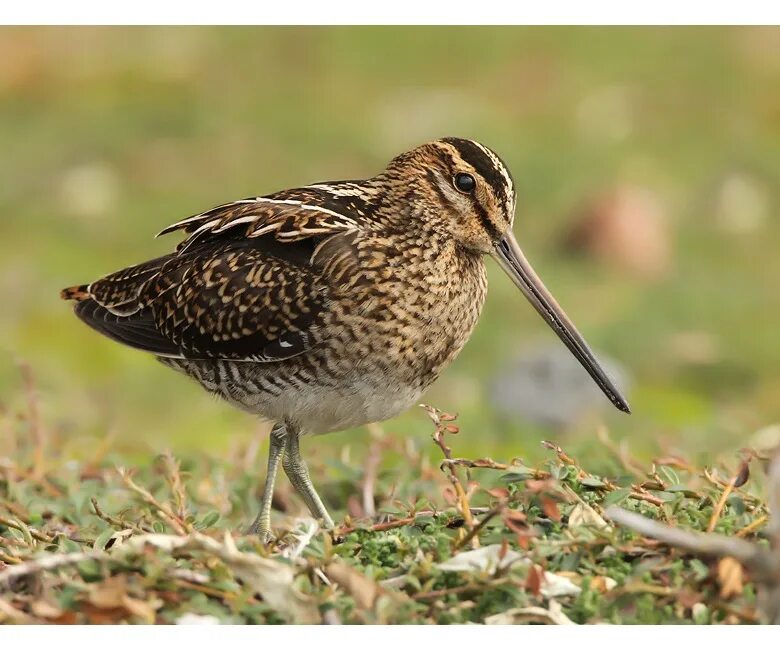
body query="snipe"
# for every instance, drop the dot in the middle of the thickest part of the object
(332, 305)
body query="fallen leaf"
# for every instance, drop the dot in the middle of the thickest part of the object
(583, 515)
(272, 579)
(603, 584)
(365, 591)
(550, 508)
(9, 612)
(142, 609)
(743, 474)
(197, 619)
(553, 615)
(45, 609)
(486, 559)
(108, 594)
(533, 583)
(557, 586)
(729, 577)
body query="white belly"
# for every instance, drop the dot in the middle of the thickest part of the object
(321, 409)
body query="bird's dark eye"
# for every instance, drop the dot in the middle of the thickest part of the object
(465, 183)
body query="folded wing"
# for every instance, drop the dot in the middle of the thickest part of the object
(242, 286)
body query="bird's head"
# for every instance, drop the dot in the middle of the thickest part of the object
(459, 187)
(466, 190)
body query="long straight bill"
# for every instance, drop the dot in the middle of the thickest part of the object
(516, 266)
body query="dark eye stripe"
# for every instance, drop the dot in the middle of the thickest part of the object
(486, 168)
(484, 219)
(482, 214)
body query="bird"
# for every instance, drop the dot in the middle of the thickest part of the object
(332, 305)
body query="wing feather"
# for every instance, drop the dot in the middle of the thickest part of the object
(289, 219)
(250, 282)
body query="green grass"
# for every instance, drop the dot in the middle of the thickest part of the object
(94, 542)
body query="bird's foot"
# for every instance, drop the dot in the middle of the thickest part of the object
(263, 533)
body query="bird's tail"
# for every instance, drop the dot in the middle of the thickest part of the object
(78, 293)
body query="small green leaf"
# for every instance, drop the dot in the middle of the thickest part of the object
(669, 474)
(102, 539)
(592, 482)
(617, 496)
(209, 519)
(700, 570)
(522, 474)
(701, 614)
(682, 488)
(736, 503)
(421, 504)
(90, 570)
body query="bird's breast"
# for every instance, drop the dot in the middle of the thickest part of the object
(411, 310)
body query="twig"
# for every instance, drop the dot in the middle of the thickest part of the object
(753, 525)
(211, 591)
(173, 474)
(640, 494)
(720, 505)
(26, 530)
(480, 463)
(369, 477)
(9, 611)
(179, 525)
(751, 555)
(116, 522)
(498, 509)
(408, 521)
(47, 562)
(562, 455)
(385, 525)
(440, 421)
(9, 559)
(735, 481)
(438, 593)
(16, 509)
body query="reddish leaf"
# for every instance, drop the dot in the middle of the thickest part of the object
(550, 507)
(533, 583)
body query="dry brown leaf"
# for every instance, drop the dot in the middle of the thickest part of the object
(272, 579)
(142, 609)
(103, 615)
(603, 584)
(553, 615)
(533, 583)
(45, 609)
(364, 590)
(109, 593)
(550, 508)
(729, 577)
(584, 515)
(743, 474)
(9, 613)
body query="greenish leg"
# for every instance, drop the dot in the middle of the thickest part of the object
(262, 525)
(298, 473)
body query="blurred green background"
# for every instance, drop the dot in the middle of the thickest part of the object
(647, 163)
